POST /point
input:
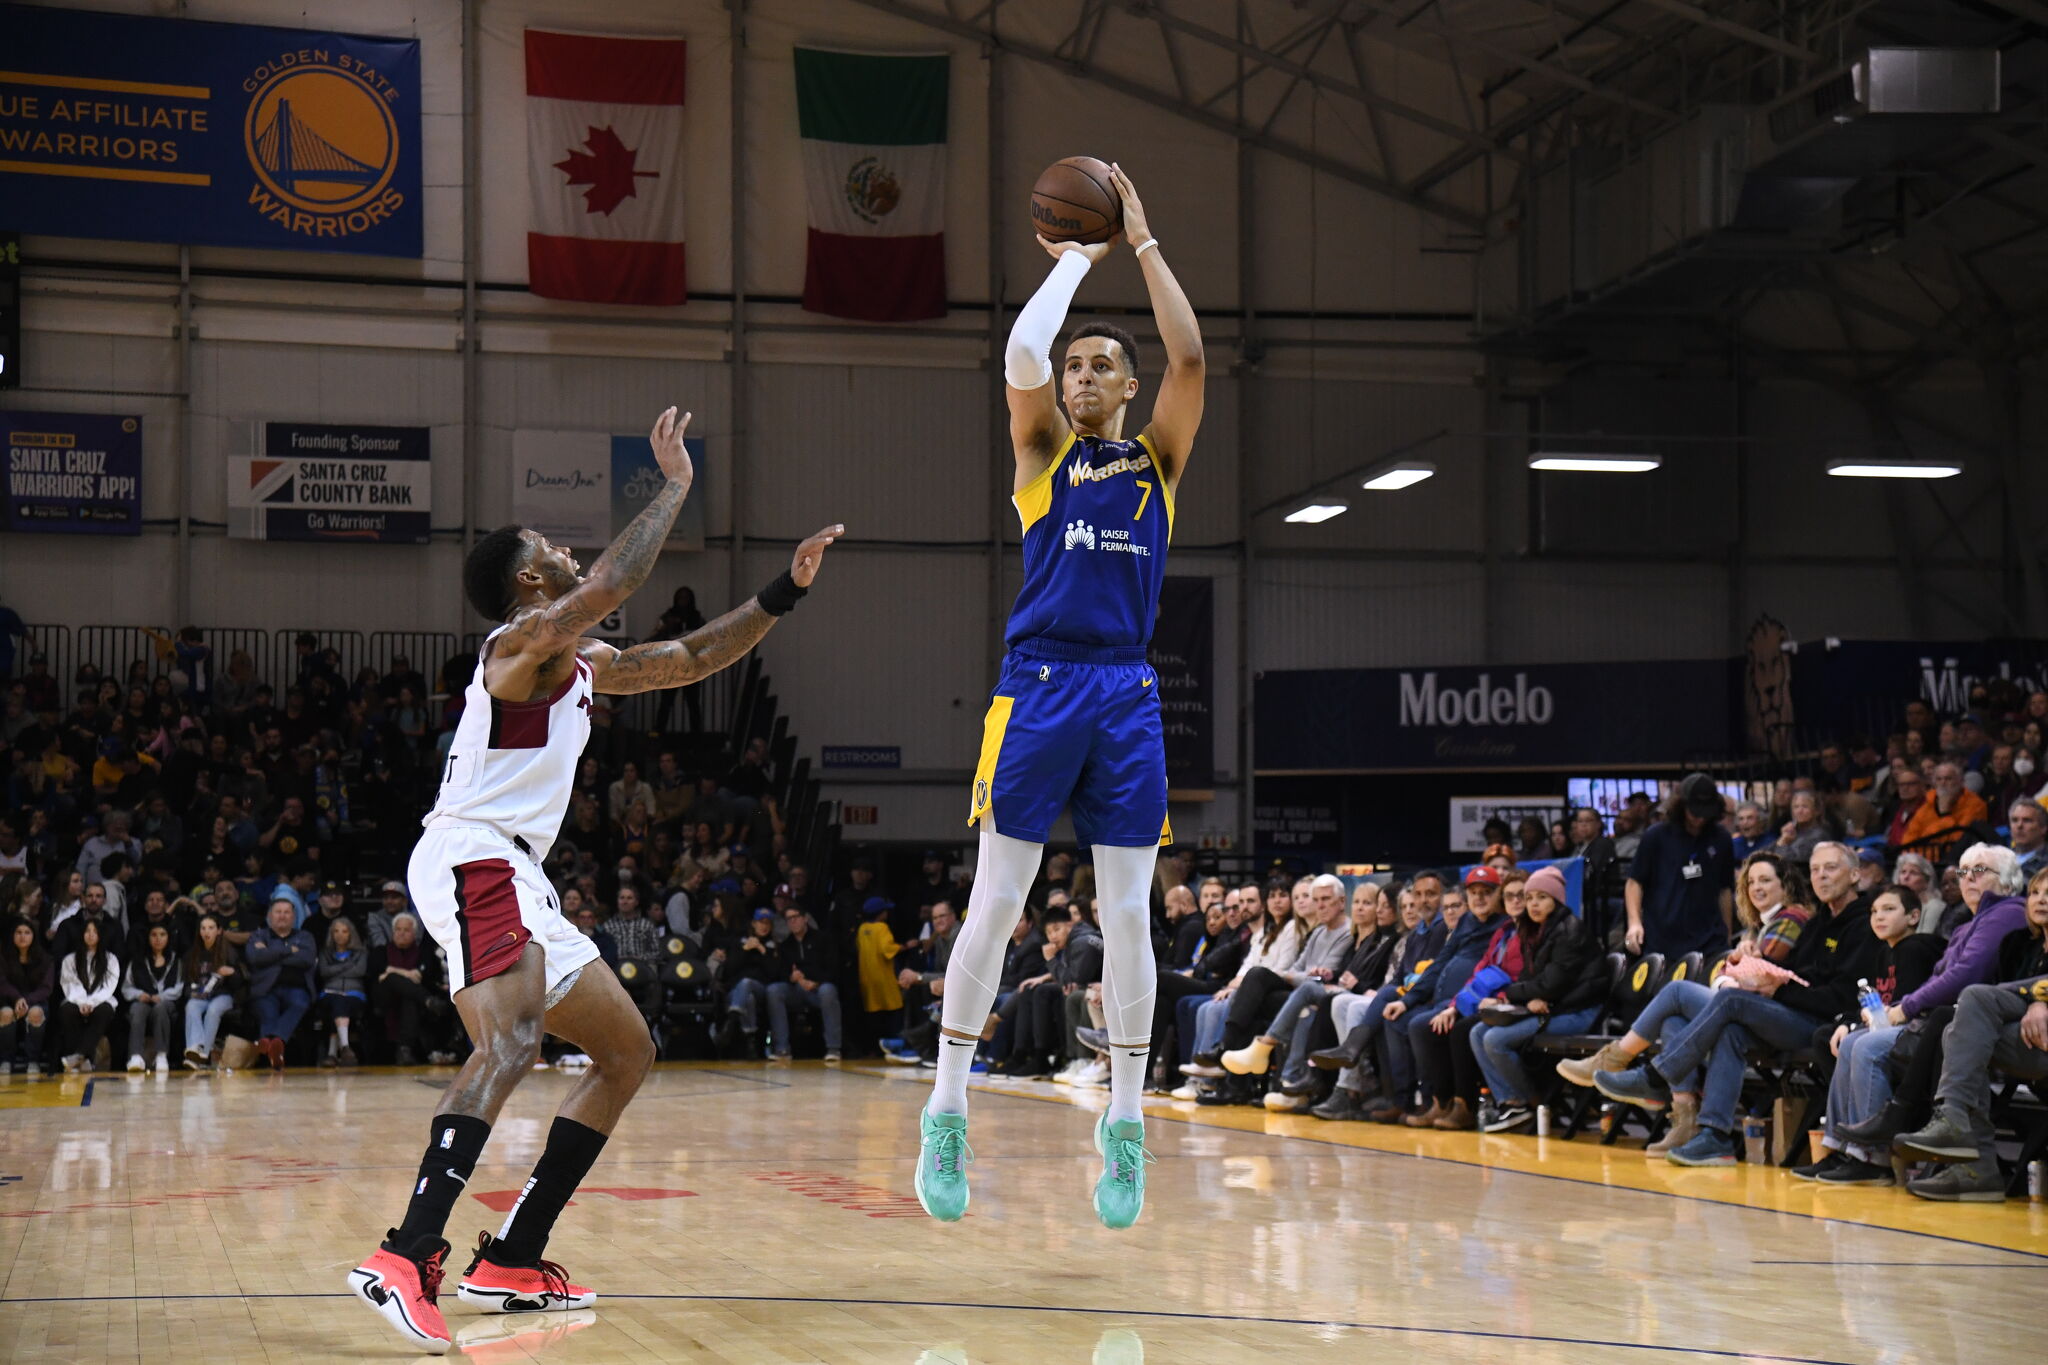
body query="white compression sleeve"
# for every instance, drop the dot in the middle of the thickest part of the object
(1130, 971)
(1026, 362)
(1002, 880)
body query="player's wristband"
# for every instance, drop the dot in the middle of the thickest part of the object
(781, 596)
(1150, 242)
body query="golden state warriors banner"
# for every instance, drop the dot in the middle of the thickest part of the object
(172, 130)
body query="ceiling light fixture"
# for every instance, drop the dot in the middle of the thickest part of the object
(1861, 467)
(1318, 510)
(1582, 463)
(1399, 474)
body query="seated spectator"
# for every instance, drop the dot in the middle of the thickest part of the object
(392, 902)
(1917, 875)
(281, 958)
(1363, 1056)
(1380, 963)
(637, 939)
(812, 968)
(745, 978)
(1186, 924)
(1073, 962)
(2028, 824)
(585, 919)
(1441, 1042)
(1871, 874)
(213, 986)
(924, 983)
(1424, 1004)
(1908, 795)
(1751, 833)
(152, 986)
(1947, 814)
(342, 973)
(1772, 904)
(1863, 1043)
(1562, 985)
(1212, 959)
(1532, 839)
(1803, 831)
(1374, 929)
(1310, 980)
(407, 988)
(1678, 1003)
(90, 979)
(27, 978)
(1710, 1055)
(1280, 941)
(2001, 1027)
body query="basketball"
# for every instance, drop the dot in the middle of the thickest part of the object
(1074, 201)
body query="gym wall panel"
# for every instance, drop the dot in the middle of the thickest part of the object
(1546, 612)
(885, 650)
(1347, 613)
(896, 454)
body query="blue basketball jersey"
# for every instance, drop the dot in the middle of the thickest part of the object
(1096, 526)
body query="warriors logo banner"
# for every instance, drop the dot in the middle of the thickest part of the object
(170, 130)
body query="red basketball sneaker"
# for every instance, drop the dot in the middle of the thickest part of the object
(538, 1288)
(402, 1289)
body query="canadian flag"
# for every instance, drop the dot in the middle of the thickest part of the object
(604, 141)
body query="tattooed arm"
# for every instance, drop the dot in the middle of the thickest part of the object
(672, 663)
(531, 657)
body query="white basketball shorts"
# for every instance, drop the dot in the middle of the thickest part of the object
(484, 898)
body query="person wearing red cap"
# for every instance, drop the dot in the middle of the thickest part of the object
(1422, 1009)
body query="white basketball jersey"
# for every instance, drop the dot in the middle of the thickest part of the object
(513, 763)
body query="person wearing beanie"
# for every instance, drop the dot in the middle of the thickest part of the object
(1562, 982)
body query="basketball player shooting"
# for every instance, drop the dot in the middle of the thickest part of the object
(515, 965)
(1075, 719)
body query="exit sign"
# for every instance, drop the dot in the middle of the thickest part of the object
(858, 815)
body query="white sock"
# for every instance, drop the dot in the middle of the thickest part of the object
(1002, 880)
(1130, 972)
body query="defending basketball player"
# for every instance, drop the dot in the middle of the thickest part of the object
(515, 965)
(1075, 719)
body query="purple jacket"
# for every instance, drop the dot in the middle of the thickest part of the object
(1972, 956)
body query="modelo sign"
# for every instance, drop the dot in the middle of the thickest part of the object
(1425, 702)
(1502, 717)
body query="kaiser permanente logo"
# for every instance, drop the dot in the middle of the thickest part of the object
(1425, 702)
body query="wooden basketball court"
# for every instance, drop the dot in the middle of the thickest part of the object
(753, 1214)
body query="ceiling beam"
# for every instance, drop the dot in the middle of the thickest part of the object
(1218, 123)
(1734, 30)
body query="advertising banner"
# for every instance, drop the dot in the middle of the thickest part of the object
(1503, 716)
(1183, 654)
(73, 473)
(581, 488)
(175, 130)
(325, 482)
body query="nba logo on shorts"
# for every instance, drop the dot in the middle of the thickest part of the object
(981, 791)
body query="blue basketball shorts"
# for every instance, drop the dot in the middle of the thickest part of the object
(1074, 726)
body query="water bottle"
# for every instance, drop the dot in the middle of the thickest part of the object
(1872, 1004)
(1543, 1122)
(1754, 1148)
(2037, 1177)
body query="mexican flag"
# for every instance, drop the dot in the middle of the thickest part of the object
(604, 162)
(874, 149)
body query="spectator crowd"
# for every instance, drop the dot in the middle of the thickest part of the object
(190, 870)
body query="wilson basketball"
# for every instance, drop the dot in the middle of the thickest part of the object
(1074, 201)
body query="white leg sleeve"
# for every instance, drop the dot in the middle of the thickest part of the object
(1130, 972)
(1001, 881)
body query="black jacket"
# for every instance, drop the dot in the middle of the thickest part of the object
(1562, 965)
(1022, 961)
(814, 956)
(1080, 962)
(742, 963)
(1186, 935)
(1369, 958)
(1832, 952)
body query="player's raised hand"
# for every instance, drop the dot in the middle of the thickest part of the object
(804, 567)
(1135, 227)
(1094, 251)
(669, 452)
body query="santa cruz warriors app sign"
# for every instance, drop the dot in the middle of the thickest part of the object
(222, 134)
